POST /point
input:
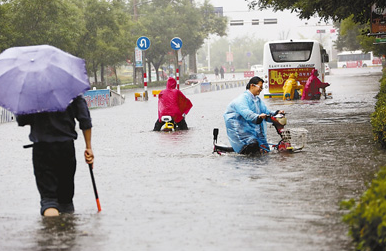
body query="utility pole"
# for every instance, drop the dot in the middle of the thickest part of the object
(137, 71)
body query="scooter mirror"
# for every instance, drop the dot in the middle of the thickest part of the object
(215, 134)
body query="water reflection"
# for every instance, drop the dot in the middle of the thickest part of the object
(57, 233)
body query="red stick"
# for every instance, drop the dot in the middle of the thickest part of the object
(95, 189)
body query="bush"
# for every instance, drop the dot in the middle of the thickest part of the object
(378, 118)
(367, 218)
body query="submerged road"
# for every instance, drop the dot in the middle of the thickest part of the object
(167, 191)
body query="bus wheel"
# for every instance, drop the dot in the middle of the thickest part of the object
(344, 66)
(364, 65)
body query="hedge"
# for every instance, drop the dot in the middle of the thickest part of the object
(378, 118)
(367, 218)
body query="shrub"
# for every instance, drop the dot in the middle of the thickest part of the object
(367, 218)
(378, 118)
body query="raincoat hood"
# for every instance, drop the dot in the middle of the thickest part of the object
(171, 83)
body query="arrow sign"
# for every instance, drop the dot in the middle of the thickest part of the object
(143, 43)
(176, 43)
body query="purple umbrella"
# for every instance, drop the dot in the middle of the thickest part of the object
(40, 78)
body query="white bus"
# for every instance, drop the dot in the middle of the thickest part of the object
(357, 59)
(284, 57)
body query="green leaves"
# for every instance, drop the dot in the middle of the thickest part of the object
(378, 117)
(336, 10)
(367, 217)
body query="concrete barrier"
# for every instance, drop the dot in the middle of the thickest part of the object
(216, 85)
(156, 92)
(138, 96)
(103, 98)
(94, 98)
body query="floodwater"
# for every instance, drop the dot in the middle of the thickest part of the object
(167, 191)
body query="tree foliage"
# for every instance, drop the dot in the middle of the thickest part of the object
(353, 36)
(336, 10)
(247, 51)
(178, 18)
(104, 32)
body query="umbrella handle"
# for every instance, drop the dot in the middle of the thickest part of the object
(95, 189)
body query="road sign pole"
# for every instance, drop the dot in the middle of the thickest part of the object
(146, 97)
(178, 78)
(176, 44)
(143, 44)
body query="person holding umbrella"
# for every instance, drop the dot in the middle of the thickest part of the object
(42, 86)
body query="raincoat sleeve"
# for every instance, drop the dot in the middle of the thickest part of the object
(184, 103)
(243, 108)
(323, 85)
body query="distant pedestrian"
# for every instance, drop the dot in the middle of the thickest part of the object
(216, 72)
(222, 72)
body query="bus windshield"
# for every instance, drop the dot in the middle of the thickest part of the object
(291, 52)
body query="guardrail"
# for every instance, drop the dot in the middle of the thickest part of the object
(6, 116)
(94, 98)
(216, 85)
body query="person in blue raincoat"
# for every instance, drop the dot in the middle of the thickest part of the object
(245, 120)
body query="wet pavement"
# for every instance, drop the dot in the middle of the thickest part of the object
(167, 191)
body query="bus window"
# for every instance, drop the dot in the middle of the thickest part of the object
(291, 52)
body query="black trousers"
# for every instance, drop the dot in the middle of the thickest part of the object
(54, 169)
(253, 148)
(180, 125)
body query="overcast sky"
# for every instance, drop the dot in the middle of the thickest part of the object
(288, 23)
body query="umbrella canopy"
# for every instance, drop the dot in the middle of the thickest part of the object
(40, 78)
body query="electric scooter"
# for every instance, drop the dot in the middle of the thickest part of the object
(292, 139)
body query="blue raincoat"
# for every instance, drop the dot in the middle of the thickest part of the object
(240, 120)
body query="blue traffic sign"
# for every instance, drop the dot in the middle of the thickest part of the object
(143, 43)
(176, 43)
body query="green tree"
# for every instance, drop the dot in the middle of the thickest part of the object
(353, 36)
(107, 40)
(161, 20)
(247, 50)
(336, 10)
(6, 28)
(209, 23)
(54, 22)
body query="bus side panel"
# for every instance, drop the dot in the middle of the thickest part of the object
(277, 77)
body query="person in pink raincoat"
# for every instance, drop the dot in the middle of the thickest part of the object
(311, 89)
(172, 102)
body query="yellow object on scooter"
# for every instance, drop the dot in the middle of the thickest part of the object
(169, 126)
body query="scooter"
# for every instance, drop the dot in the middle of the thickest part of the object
(170, 125)
(292, 139)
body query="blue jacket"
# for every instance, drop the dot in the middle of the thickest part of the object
(240, 120)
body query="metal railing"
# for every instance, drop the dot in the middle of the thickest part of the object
(6, 116)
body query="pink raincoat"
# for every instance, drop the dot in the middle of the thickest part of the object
(172, 102)
(311, 89)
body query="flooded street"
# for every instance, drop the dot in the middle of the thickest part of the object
(167, 191)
